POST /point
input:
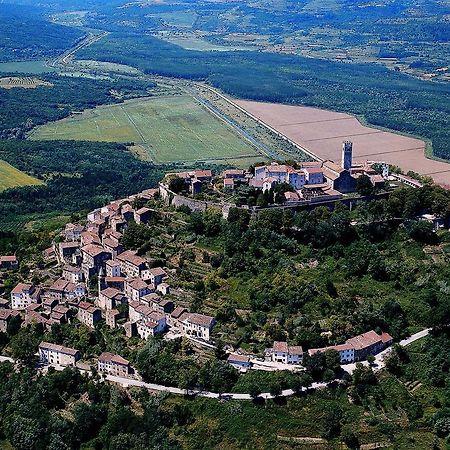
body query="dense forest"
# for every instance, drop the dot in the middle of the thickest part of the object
(385, 98)
(22, 109)
(26, 34)
(78, 175)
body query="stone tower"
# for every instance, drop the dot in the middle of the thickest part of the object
(101, 280)
(347, 155)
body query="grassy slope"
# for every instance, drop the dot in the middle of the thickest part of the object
(11, 177)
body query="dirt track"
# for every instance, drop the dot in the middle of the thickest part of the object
(322, 133)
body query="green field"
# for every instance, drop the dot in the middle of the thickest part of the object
(34, 67)
(11, 177)
(170, 129)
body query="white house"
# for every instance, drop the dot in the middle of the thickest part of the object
(57, 354)
(240, 362)
(24, 295)
(197, 325)
(283, 353)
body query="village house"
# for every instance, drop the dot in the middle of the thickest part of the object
(131, 264)
(6, 315)
(173, 319)
(156, 275)
(143, 215)
(114, 365)
(359, 347)
(58, 355)
(72, 232)
(88, 314)
(73, 274)
(112, 268)
(9, 262)
(88, 237)
(4, 303)
(67, 249)
(283, 353)
(60, 314)
(240, 362)
(369, 343)
(24, 295)
(48, 303)
(112, 246)
(197, 325)
(111, 317)
(115, 282)
(62, 289)
(346, 352)
(110, 298)
(163, 288)
(153, 324)
(136, 288)
(94, 257)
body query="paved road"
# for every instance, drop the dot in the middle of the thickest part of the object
(229, 396)
(127, 382)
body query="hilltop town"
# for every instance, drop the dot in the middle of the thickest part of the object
(96, 279)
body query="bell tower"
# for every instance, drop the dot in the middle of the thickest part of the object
(347, 155)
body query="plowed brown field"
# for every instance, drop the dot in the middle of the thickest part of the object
(322, 132)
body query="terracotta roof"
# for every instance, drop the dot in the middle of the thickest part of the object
(228, 182)
(69, 245)
(131, 257)
(238, 358)
(8, 258)
(232, 172)
(202, 173)
(338, 348)
(158, 271)
(313, 170)
(93, 250)
(143, 211)
(71, 269)
(114, 359)
(177, 312)
(291, 196)
(137, 283)
(281, 347)
(112, 243)
(115, 279)
(5, 314)
(21, 287)
(112, 263)
(296, 350)
(110, 292)
(333, 166)
(58, 348)
(364, 340)
(200, 319)
(59, 285)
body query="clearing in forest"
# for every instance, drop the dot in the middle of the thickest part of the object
(22, 82)
(170, 129)
(11, 177)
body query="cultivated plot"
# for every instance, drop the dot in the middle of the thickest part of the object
(174, 128)
(11, 177)
(322, 132)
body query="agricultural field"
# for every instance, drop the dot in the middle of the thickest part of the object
(33, 67)
(170, 129)
(322, 132)
(11, 177)
(22, 83)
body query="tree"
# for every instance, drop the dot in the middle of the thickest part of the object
(349, 438)
(254, 390)
(275, 388)
(24, 345)
(364, 185)
(331, 422)
(177, 184)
